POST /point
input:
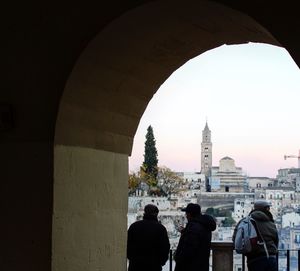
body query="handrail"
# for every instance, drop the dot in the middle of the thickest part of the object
(287, 256)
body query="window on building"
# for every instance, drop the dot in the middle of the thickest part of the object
(226, 188)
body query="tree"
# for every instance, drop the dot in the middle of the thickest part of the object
(134, 181)
(228, 221)
(211, 211)
(147, 177)
(170, 181)
(150, 156)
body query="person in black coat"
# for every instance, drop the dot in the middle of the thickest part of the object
(147, 242)
(193, 249)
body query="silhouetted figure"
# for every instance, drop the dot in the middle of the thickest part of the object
(193, 250)
(148, 243)
(258, 260)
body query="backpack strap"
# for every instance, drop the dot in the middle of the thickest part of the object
(259, 235)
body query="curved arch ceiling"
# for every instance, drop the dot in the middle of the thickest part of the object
(118, 73)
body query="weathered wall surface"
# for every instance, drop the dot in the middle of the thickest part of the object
(90, 210)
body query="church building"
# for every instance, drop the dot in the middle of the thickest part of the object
(224, 178)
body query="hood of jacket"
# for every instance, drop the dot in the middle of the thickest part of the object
(207, 221)
(259, 215)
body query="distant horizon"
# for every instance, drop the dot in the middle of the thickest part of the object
(248, 94)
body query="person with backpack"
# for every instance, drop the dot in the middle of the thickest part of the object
(261, 253)
(193, 249)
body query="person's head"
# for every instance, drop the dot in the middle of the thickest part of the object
(192, 210)
(262, 205)
(151, 210)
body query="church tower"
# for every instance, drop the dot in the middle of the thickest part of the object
(206, 151)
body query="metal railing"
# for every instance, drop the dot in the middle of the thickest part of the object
(171, 260)
(283, 254)
(287, 254)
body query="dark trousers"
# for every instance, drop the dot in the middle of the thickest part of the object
(263, 264)
(145, 266)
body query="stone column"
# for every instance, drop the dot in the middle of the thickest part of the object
(222, 256)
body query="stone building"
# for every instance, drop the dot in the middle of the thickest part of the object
(280, 197)
(194, 180)
(242, 207)
(227, 177)
(257, 183)
(289, 177)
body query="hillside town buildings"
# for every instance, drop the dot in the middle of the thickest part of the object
(229, 193)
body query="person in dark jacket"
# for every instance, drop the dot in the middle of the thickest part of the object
(257, 260)
(193, 249)
(147, 242)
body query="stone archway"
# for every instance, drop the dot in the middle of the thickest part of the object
(104, 99)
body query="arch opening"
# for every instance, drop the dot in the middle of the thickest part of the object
(104, 99)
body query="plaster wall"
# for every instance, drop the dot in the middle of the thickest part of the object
(90, 210)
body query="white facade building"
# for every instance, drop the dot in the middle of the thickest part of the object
(259, 183)
(138, 203)
(280, 197)
(242, 207)
(227, 177)
(290, 219)
(194, 180)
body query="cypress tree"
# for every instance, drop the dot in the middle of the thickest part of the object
(150, 155)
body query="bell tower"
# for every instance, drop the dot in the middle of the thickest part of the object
(206, 151)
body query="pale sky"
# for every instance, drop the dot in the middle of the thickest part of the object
(249, 95)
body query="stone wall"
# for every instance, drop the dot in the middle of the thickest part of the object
(220, 200)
